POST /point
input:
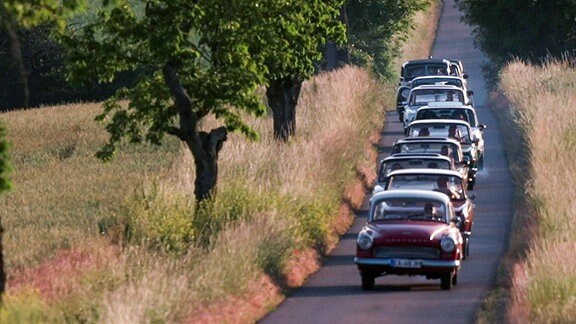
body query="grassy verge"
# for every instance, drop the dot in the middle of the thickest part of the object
(122, 242)
(540, 269)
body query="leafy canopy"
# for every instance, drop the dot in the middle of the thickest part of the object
(205, 41)
(378, 28)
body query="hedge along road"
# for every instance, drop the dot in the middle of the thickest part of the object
(333, 294)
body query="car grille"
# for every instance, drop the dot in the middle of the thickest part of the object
(407, 252)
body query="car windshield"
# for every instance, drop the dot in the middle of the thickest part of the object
(436, 182)
(413, 209)
(456, 131)
(416, 70)
(439, 81)
(421, 97)
(415, 163)
(466, 115)
(445, 148)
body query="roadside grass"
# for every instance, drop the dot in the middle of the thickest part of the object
(87, 241)
(543, 275)
(273, 199)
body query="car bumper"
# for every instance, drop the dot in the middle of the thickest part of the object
(426, 264)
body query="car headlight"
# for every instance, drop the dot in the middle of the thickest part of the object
(404, 93)
(447, 244)
(364, 241)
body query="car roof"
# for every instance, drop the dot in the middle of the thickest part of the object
(416, 139)
(410, 193)
(409, 156)
(447, 105)
(425, 61)
(447, 77)
(439, 121)
(450, 173)
(437, 86)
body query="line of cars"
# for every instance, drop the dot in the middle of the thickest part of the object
(421, 209)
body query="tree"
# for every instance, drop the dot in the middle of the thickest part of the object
(18, 15)
(4, 186)
(295, 34)
(193, 59)
(377, 29)
(530, 30)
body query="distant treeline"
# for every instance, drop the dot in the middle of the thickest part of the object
(45, 65)
(528, 30)
(376, 29)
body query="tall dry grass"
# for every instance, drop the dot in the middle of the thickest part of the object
(542, 101)
(273, 198)
(122, 241)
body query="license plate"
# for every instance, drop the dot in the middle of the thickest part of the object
(406, 263)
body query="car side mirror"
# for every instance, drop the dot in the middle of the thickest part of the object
(457, 220)
(465, 75)
(472, 196)
(482, 127)
(470, 93)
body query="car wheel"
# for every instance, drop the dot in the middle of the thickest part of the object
(400, 117)
(367, 281)
(481, 162)
(466, 248)
(455, 279)
(446, 281)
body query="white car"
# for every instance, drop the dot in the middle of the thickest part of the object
(423, 95)
(454, 110)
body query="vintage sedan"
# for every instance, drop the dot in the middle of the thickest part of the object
(424, 94)
(403, 91)
(472, 146)
(445, 110)
(443, 145)
(416, 68)
(409, 161)
(410, 232)
(445, 181)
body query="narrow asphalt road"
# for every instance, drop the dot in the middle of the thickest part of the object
(333, 294)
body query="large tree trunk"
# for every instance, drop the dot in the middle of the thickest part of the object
(16, 48)
(206, 161)
(204, 146)
(282, 99)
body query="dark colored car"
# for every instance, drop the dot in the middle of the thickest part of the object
(416, 68)
(412, 233)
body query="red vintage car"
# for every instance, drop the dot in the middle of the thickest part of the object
(446, 181)
(410, 232)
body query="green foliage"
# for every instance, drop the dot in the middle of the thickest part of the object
(221, 51)
(4, 165)
(29, 13)
(291, 33)
(377, 29)
(312, 218)
(158, 223)
(530, 30)
(26, 307)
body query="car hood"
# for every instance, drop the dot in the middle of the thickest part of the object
(413, 231)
